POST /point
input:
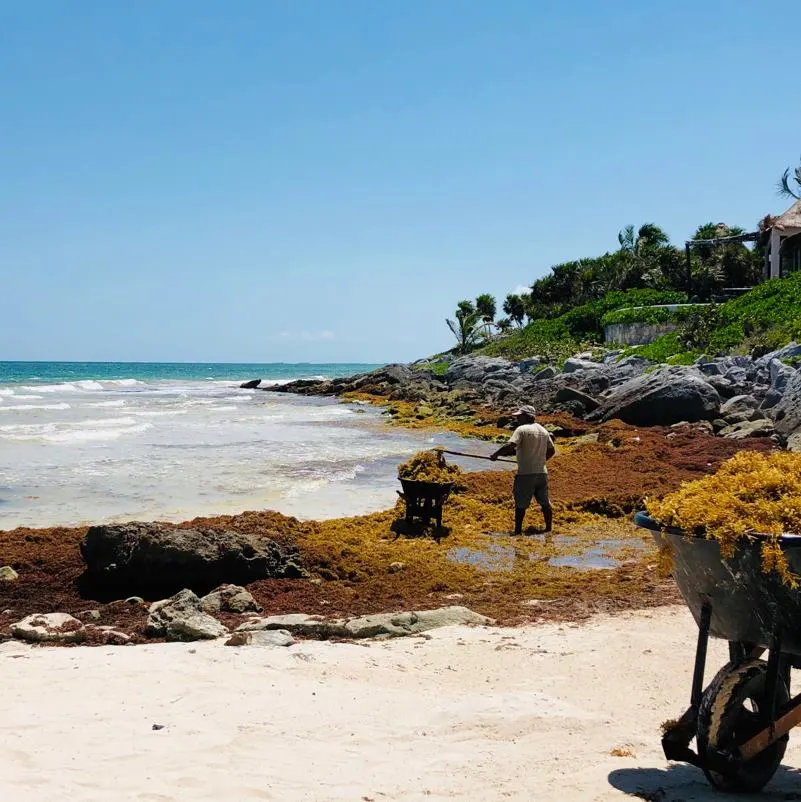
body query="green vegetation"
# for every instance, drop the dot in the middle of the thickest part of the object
(568, 308)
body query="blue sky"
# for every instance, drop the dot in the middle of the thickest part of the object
(322, 181)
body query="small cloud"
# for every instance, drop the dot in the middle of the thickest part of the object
(522, 289)
(285, 335)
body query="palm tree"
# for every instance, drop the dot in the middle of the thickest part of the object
(467, 327)
(785, 189)
(486, 308)
(515, 307)
(504, 324)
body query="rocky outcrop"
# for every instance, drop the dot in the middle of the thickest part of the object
(49, 628)
(182, 618)
(274, 637)
(662, 398)
(367, 626)
(251, 385)
(787, 411)
(8, 574)
(148, 555)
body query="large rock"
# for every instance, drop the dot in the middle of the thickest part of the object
(475, 370)
(737, 405)
(574, 364)
(755, 428)
(367, 626)
(8, 574)
(49, 628)
(181, 618)
(230, 599)
(787, 412)
(157, 555)
(548, 372)
(573, 394)
(662, 398)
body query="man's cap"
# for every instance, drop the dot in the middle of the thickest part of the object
(526, 410)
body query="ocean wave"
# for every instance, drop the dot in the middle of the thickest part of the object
(6, 392)
(82, 435)
(116, 403)
(27, 407)
(28, 397)
(158, 413)
(124, 382)
(89, 384)
(64, 387)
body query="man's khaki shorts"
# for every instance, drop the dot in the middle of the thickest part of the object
(529, 486)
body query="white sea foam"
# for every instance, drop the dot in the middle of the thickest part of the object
(64, 387)
(28, 397)
(88, 384)
(30, 407)
(5, 392)
(125, 382)
(117, 402)
(92, 435)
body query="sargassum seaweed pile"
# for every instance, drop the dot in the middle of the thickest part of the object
(750, 494)
(429, 466)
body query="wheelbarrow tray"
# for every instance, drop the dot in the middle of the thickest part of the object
(436, 490)
(747, 605)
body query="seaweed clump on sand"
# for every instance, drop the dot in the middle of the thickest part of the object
(429, 466)
(750, 494)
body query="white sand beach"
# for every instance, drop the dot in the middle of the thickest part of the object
(474, 714)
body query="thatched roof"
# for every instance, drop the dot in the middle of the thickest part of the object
(790, 219)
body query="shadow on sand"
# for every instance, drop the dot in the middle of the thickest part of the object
(682, 783)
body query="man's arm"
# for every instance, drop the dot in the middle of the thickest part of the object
(550, 450)
(506, 450)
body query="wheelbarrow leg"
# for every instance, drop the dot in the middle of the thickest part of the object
(676, 740)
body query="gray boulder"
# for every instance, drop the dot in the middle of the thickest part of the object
(573, 394)
(475, 370)
(574, 364)
(529, 365)
(181, 618)
(230, 599)
(667, 396)
(49, 628)
(547, 372)
(711, 369)
(787, 412)
(738, 404)
(756, 428)
(157, 555)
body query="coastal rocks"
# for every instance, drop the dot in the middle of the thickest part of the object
(181, 618)
(49, 628)
(368, 626)
(8, 574)
(230, 599)
(738, 404)
(156, 555)
(469, 370)
(271, 638)
(573, 364)
(787, 412)
(667, 396)
(251, 385)
(587, 402)
(546, 373)
(755, 428)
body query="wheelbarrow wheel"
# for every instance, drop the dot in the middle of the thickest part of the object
(732, 709)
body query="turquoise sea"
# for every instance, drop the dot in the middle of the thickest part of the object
(22, 372)
(92, 442)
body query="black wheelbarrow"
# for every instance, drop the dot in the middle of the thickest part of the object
(424, 500)
(742, 719)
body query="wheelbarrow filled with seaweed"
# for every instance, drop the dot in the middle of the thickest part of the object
(427, 481)
(742, 719)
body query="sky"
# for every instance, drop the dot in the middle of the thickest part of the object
(322, 180)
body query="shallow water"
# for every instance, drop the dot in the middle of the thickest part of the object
(501, 554)
(99, 450)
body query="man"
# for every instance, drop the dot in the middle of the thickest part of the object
(533, 446)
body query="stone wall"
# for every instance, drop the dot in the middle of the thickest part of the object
(636, 333)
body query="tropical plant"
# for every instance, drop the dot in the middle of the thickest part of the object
(467, 327)
(486, 308)
(790, 177)
(503, 325)
(515, 307)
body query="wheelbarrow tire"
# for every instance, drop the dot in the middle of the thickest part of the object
(723, 721)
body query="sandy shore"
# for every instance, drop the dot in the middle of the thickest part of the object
(474, 714)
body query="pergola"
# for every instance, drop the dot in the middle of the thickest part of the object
(694, 243)
(784, 228)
